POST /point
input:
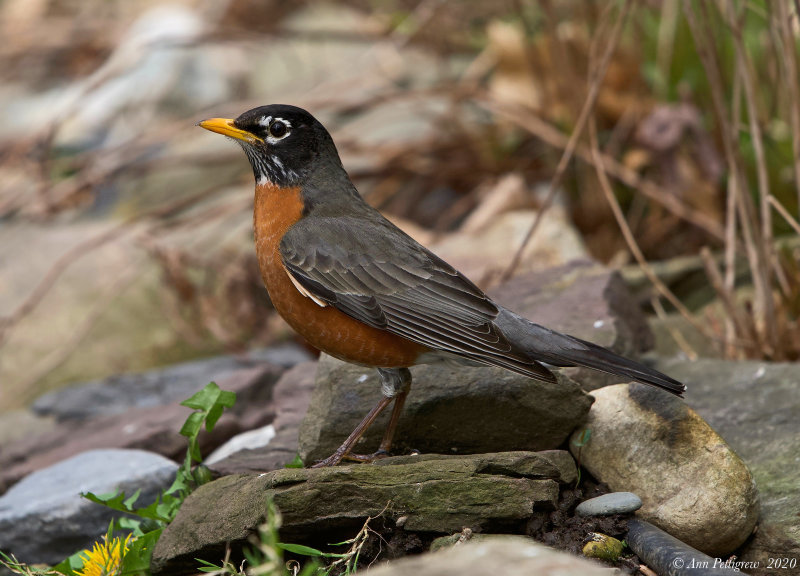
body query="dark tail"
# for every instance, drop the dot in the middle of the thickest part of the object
(556, 349)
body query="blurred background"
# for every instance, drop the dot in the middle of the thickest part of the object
(661, 138)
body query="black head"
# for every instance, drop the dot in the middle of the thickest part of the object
(282, 142)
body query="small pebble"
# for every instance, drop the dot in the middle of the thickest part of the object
(603, 547)
(607, 504)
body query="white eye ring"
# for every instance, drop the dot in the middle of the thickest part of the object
(268, 122)
(278, 129)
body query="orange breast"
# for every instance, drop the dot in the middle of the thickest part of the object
(325, 327)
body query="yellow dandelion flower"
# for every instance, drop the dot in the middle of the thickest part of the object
(105, 559)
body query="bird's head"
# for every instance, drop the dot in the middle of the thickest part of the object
(282, 142)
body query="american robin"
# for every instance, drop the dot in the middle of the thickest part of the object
(362, 290)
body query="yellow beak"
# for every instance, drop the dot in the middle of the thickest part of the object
(225, 127)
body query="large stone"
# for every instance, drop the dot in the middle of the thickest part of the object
(290, 399)
(43, 518)
(506, 555)
(155, 429)
(485, 253)
(431, 494)
(449, 410)
(755, 406)
(692, 484)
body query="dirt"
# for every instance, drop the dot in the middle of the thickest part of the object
(559, 528)
(564, 530)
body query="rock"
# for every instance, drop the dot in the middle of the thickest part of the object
(170, 385)
(132, 334)
(290, 399)
(508, 193)
(755, 406)
(607, 504)
(154, 429)
(603, 547)
(507, 555)
(667, 555)
(449, 410)
(43, 519)
(485, 253)
(466, 535)
(690, 481)
(582, 299)
(17, 425)
(438, 494)
(250, 440)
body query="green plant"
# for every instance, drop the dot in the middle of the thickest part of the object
(133, 555)
(265, 556)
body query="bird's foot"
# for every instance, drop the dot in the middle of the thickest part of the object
(335, 458)
(379, 454)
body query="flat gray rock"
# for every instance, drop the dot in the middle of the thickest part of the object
(607, 504)
(692, 484)
(434, 494)
(506, 555)
(161, 387)
(450, 410)
(43, 518)
(755, 406)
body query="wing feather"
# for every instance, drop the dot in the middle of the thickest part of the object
(386, 280)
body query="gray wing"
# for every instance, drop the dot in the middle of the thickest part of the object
(375, 273)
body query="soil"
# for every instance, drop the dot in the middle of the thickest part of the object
(559, 528)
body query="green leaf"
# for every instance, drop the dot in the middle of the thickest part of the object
(307, 551)
(137, 558)
(191, 428)
(227, 398)
(132, 500)
(203, 399)
(70, 566)
(194, 451)
(213, 416)
(583, 438)
(119, 503)
(300, 549)
(177, 485)
(297, 462)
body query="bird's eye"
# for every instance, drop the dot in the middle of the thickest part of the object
(278, 129)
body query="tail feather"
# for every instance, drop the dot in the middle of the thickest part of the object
(544, 345)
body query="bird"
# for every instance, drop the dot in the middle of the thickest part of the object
(358, 288)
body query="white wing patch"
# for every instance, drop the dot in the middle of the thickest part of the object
(305, 292)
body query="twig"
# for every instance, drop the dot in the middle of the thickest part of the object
(729, 281)
(553, 137)
(605, 186)
(588, 107)
(762, 177)
(646, 571)
(674, 332)
(726, 296)
(785, 214)
(790, 70)
(667, 26)
(756, 255)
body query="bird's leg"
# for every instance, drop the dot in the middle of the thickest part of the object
(395, 383)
